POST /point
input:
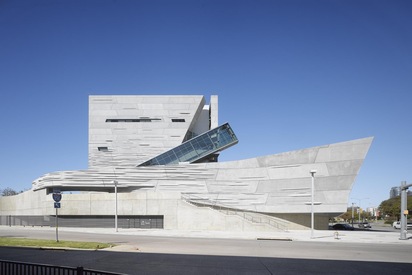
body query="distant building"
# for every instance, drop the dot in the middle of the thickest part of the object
(396, 192)
(157, 156)
(373, 211)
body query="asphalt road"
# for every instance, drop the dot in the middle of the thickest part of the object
(160, 263)
(171, 255)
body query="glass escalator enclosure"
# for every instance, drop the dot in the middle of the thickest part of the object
(201, 147)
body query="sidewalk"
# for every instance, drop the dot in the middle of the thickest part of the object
(291, 235)
(162, 251)
(367, 236)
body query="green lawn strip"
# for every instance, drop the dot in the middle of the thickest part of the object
(6, 241)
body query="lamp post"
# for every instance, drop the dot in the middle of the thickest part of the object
(312, 221)
(352, 213)
(115, 207)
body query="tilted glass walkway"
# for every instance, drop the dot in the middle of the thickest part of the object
(197, 148)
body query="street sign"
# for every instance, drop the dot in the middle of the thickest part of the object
(57, 205)
(57, 197)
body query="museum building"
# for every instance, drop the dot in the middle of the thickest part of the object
(153, 163)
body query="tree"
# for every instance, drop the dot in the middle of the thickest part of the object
(366, 215)
(347, 216)
(392, 208)
(8, 192)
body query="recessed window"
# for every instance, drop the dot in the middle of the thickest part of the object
(144, 120)
(103, 149)
(178, 120)
(133, 120)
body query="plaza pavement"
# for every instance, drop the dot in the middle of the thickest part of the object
(364, 236)
(356, 236)
(171, 255)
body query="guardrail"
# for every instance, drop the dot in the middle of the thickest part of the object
(20, 268)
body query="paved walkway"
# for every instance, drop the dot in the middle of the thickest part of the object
(371, 236)
(197, 252)
(367, 236)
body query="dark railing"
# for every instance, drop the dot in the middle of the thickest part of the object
(253, 217)
(19, 268)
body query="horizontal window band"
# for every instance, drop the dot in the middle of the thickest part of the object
(132, 119)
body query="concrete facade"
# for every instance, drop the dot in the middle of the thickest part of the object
(264, 193)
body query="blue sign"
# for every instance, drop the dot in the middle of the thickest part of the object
(57, 205)
(57, 197)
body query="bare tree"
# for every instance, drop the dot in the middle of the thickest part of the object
(8, 192)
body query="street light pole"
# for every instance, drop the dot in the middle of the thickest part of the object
(359, 207)
(115, 207)
(312, 220)
(352, 214)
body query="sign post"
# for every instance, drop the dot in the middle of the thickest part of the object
(57, 196)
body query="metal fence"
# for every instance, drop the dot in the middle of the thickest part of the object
(20, 268)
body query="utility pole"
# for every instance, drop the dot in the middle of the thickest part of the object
(352, 214)
(404, 211)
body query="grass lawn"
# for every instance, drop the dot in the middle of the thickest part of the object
(5, 241)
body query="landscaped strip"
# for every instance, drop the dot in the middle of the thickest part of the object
(7, 241)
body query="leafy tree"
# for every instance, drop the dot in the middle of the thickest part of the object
(8, 192)
(392, 208)
(347, 216)
(366, 215)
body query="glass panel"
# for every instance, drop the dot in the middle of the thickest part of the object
(197, 148)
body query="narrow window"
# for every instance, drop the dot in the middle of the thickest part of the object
(103, 149)
(133, 120)
(178, 120)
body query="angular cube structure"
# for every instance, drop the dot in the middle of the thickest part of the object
(162, 153)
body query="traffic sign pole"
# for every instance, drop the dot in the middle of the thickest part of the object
(57, 225)
(57, 196)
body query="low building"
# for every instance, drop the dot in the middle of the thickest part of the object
(156, 158)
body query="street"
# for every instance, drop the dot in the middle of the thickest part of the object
(179, 255)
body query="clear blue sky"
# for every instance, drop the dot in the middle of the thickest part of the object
(289, 74)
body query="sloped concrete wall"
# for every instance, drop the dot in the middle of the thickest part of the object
(178, 214)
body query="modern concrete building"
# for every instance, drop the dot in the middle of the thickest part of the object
(158, 155)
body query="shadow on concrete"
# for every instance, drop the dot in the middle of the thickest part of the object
(158, 263)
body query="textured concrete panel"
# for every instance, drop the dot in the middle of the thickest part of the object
(123, 138)
(289, 158)
(271, 189)
(344, 151)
